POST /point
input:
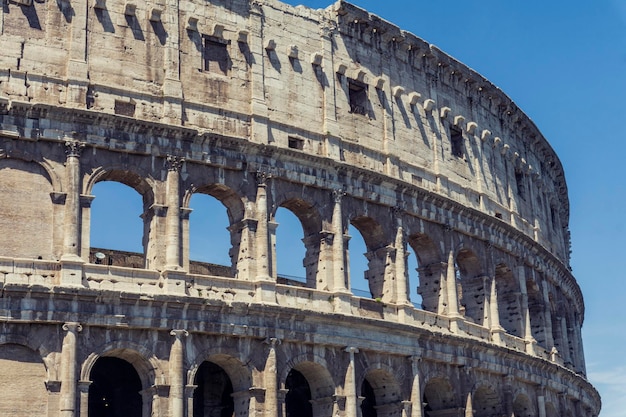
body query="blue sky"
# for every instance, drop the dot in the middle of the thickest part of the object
(564, 64)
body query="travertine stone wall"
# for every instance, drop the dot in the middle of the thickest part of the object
(334, 114)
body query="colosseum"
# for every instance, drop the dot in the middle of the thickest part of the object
(335, 115)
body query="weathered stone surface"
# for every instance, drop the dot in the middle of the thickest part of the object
(335, 115)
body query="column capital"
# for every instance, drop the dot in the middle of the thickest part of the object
(262, 176)
(338, 194)
(272, 342)
(179, 333)
(73, 148)
(73, 327)
(351, 350)
(174, 163)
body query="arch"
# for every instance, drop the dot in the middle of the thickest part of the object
(115, 389)
(141, 358)
(486, 402)
(376, 242)
(509, 305)
(22, 381)
(430, 269)
(522, 406)
(439, 396)
(227, 196)
(144, 185)
(537, 311)
(309, 218)
(213, 395)
(315, 370)
(380, 390)
(240, 376)
(471, 285)
(27, 206)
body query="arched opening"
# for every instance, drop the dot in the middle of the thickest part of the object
(298, 398)
(22, 382)
(472, 286)
(209, 237)
(26, 207)
(425, 271)
(290, 248)
(118, 225)
(368, 405)
(487, 403)
(439, 398)
(381, 394)
(115, 389)
(522, 407)
(213, 396)
(357, 264)
(509, 306)
(376, 254)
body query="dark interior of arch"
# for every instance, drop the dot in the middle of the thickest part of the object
(114, 391)
(298, 398)
(369, 400)
(213, 395)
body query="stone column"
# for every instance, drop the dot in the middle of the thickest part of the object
(416, 388)
(340, 281)
(495, 328)
(71, 238)
(270, 376)
(189, 391)
(83, 388)
(548, 316)
(177, 374)
(263, 255)
(350, 388)
(565, 352)
(453, 300)
(401, 287)
(68, 370)
(527, 332)
(509, 382)
(541, 401)
(172, 221)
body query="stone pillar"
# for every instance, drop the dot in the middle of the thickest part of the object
(172, 221)
(469, 410)
(83, 389)
(350, 388)
(270, 376)
(401, 295)
(245, 259)
(177, 374)
(527, 331)
(172, 90)
(68, 370)
(548, 316)
(189, 391)
(453, 300)
(495, 328)
(541, 401)
(263, 255)
(340, 266)
(417, 409)
(71, 238)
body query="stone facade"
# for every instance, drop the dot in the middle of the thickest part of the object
(334, 114)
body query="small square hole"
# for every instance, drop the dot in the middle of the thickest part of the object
(296, 143)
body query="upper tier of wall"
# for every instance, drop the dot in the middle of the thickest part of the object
(337, 83)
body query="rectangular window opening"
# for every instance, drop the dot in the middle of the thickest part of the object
(456, 142)
(215, 55)
(357, 92)
(296, 143)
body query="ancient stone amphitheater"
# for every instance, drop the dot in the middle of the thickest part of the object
(335, 115)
